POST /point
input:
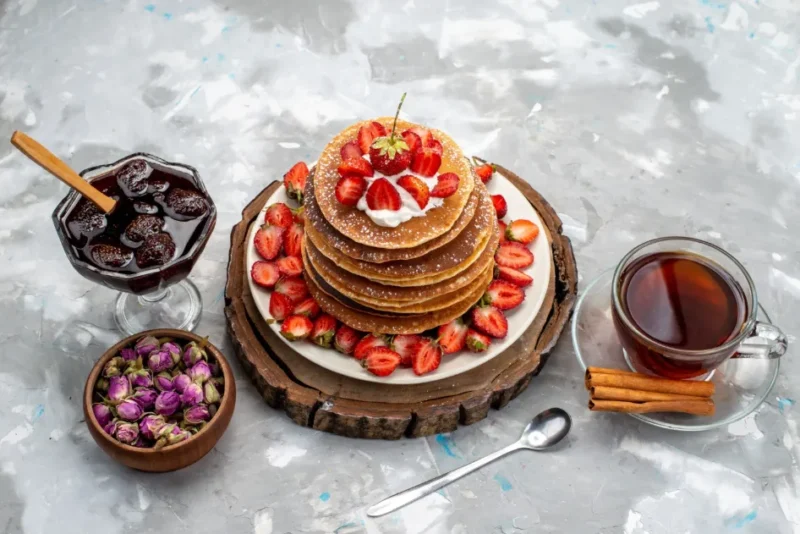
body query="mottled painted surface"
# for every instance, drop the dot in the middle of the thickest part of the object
(634, 120)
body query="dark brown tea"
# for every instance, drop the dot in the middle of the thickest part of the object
(683, 301)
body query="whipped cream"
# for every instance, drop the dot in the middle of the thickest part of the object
(408, 208)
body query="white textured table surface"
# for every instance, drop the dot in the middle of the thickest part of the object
(634, 121)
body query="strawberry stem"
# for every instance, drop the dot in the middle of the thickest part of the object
(397, 114)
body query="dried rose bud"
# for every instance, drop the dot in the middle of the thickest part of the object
(200, 372)
(119, 389)
(145, 397)
(151, 425)
(134, 365)
(128, 355)
(163, 381)
(139, 443)
(146, 345)
(101, 384)
(219, 383)
(159, 361)
(167, 403)
(141, 379)
(180, 382)
(129, 410)
(111, 427)
(127, 432)
(174, 351)
(102, 413)
(193, 354)
(210, 393)
(196, 414)
(113, 367)
(178, 435)
(192, 395)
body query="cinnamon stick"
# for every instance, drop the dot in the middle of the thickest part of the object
(635, 395)
(694, 407)
(627, 380)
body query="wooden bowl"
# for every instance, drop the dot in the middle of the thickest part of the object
(172, 457)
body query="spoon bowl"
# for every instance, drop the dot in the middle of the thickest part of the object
(546, 429)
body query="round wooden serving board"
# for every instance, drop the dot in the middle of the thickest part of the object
(318, 398)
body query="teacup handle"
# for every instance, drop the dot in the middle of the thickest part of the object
(767, 342)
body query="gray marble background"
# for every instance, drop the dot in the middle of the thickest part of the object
(634, 120)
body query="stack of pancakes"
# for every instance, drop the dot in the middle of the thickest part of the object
(403, 280)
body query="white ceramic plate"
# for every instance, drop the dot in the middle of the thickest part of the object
(518, 319)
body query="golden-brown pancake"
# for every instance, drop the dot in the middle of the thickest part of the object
(370, 254)
(356, 225)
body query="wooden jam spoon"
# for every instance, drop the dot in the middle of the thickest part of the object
(52, 164)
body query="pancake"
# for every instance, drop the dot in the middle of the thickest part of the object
(356, 225)
(406, 324)
(367, 291)
(438, 265)
(359, 251)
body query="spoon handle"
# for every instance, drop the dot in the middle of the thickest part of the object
(410, 495)
(50, 162)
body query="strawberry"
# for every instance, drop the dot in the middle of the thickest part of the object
(367, 134)
(357, 166)
(299, 215)
(350, 150)
(370, 341)
(323, 330)
(264, 273)
(490, 321)
(295, 181)
(290, 265)
(293, 240)
(307, 307)
(350, 188)
(522, 230)
(280, 215)
(513, 255)
(435, 145)
(381, 361)
(427, 356)
(423, 133)
(452, 336)
(280, 306)
(296, 327)
(268, 241)
(404, 345)
(293, 287)
(500, 205)
(504, 295)
(502, 226)
(446, 185)
(412, 140)
(345, 340)
(514, 276)
(380, 154)
(382, 195)
(477, 342)
(485, 172)
(426, 160)
(416, 188)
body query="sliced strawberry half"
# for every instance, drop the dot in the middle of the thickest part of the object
(382, 195)
(290, 265)
(514, 255)
(350, 189)
(404, 345)
(293, 287)
(500, 205)
(435, 145)
(264, 273)
(423, 133)
(293, 240)
(412, 140)
(502, 226)
(416, 188)
(490, 321)
(446, 185)
(426, 160)
(295, 181)
(350, 150)
(296, 327)
(346, 339)
(477, 342)
(452, 336)
(427, 356)
(370, 341)
(485, 172)
(355, 166)
(522, 231)
(504, 295)
(381, 361)
(323, 330)
(307, 307)
(299, 214)
(280, 306)
(268, 241)
(518, 278)
(280, 215)
(368, 133)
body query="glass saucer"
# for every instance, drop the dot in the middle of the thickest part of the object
(741, 384)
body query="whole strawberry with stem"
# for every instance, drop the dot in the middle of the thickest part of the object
(390, 154)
